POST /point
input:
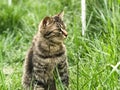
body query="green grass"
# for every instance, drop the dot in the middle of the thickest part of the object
(90, 57)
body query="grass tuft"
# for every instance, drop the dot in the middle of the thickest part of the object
(92, 58)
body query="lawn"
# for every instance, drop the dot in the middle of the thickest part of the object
(94, 59)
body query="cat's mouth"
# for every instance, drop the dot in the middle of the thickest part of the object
(64, 32)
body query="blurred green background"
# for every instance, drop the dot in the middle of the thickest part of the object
(91, 57)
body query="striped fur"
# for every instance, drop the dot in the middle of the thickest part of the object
(46, 53)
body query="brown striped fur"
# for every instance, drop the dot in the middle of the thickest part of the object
(46, 53)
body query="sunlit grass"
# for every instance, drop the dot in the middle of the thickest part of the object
(91, 58)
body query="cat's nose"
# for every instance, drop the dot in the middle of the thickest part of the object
(64, 32)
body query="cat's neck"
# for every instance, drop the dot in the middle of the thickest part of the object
(49, 46)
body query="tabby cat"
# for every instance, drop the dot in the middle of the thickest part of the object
(47, 53)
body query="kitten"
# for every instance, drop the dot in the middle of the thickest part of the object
(46, 53)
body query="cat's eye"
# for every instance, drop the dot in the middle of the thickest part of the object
(48, 33)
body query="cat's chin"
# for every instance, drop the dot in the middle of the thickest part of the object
(55, 41)
(64, 36)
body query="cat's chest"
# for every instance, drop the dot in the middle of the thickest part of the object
(47, 64)
(51, 60)
(47, 57)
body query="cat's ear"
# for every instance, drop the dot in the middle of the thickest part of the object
(61, 15)
(46, 21)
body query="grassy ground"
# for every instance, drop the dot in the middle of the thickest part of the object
(91, 58)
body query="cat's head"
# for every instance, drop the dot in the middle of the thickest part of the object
(53, 28)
